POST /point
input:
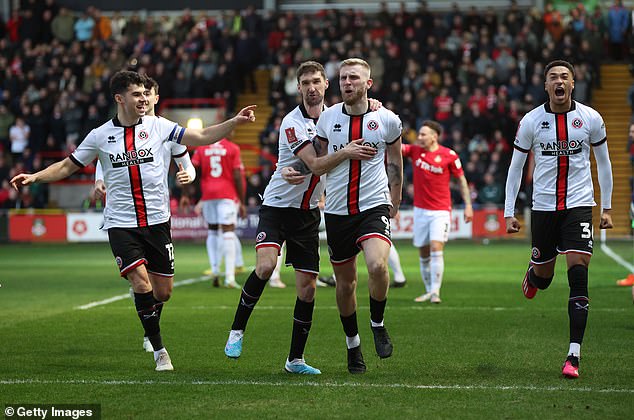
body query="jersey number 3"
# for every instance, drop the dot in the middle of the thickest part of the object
(586, 233)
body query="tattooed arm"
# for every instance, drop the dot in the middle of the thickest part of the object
(394, 169)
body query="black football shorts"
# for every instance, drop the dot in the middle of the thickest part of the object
(347, 232)
(298, 228)
(151, 245)
(560, 232)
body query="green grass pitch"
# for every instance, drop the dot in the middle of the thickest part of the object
(485, 352)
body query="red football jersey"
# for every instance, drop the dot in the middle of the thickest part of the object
(216, 163)
(432, 171)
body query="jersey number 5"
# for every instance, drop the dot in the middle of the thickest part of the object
(216, 167)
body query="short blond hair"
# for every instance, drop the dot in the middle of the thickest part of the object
(356, 62)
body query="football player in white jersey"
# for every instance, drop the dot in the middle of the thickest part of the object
(560, 133)
(185, 175)
(130, 149)
(361, 198)
(290, 214)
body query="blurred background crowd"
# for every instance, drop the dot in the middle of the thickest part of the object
(475, 71)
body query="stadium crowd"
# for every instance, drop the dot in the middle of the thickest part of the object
(475, 72)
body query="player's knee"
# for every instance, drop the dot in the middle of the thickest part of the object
(264, 272)
(436, 246)
(306, 292)
(540, 282)
(578, 280)
(162, 295)
(346, 287)
(264, 269)
(377, 268)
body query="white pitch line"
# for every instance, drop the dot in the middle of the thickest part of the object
(616, 257)
(426, 308)
(115, 382)
(610, 253)
(127, 295)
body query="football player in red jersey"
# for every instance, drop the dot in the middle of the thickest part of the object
(433, 166)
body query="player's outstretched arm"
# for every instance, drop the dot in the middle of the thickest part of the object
(320, 162)
(213, 133)
(394, 167)
(55, 172)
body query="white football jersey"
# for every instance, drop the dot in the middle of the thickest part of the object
(135, 170)
(296, 132)
(175, 150)
(561, 144)
(358, 185)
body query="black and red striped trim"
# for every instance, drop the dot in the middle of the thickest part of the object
(354, 171)
(314, 180)
(136, 183)
(563, 162)
(126, 270)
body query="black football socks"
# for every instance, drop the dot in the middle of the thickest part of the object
(149, 311)
(250, 295)
(302, 321)
(578, 302)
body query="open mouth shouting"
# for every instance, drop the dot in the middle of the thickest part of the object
(560, 92)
